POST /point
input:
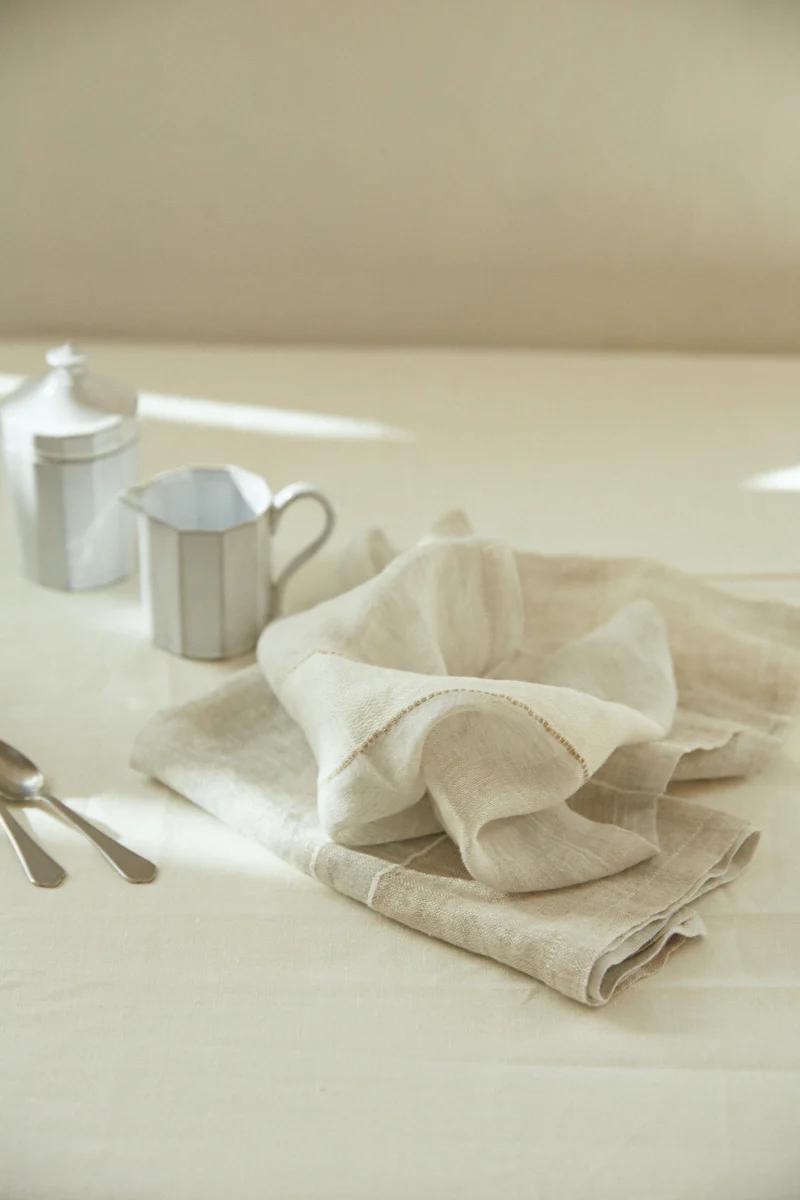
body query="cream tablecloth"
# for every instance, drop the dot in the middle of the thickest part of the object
(236, 1029)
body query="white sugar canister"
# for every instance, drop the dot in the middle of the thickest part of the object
(70, 448)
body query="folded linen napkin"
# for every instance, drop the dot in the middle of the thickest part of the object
(532, 708)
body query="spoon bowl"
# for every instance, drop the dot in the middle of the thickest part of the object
(20, 779)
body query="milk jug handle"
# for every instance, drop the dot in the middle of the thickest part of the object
(280, 502)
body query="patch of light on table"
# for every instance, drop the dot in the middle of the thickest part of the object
(784, 479)
(197, 840)
(9, 382)
(207, 845)
(252, 418)
(129, 620)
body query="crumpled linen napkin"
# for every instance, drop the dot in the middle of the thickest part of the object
(527, 706)
(477, 743)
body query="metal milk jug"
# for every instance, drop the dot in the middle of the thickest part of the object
(70, 448)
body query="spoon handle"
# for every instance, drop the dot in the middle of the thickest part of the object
(41, 869)
(131, 866)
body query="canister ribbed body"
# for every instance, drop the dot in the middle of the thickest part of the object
(73, 531)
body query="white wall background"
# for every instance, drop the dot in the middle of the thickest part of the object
(592, 173)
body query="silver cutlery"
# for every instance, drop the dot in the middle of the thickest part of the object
(20, 779)
(41, 869)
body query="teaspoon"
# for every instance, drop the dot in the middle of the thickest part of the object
(40, 868)
(20, 779)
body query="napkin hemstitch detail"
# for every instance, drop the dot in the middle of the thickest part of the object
(398, 716)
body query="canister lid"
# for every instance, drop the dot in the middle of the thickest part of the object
(68, 414)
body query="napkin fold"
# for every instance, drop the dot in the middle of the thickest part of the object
(478, 742)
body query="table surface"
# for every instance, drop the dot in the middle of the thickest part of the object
(235, 1028)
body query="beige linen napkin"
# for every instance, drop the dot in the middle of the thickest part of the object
(477, 742)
